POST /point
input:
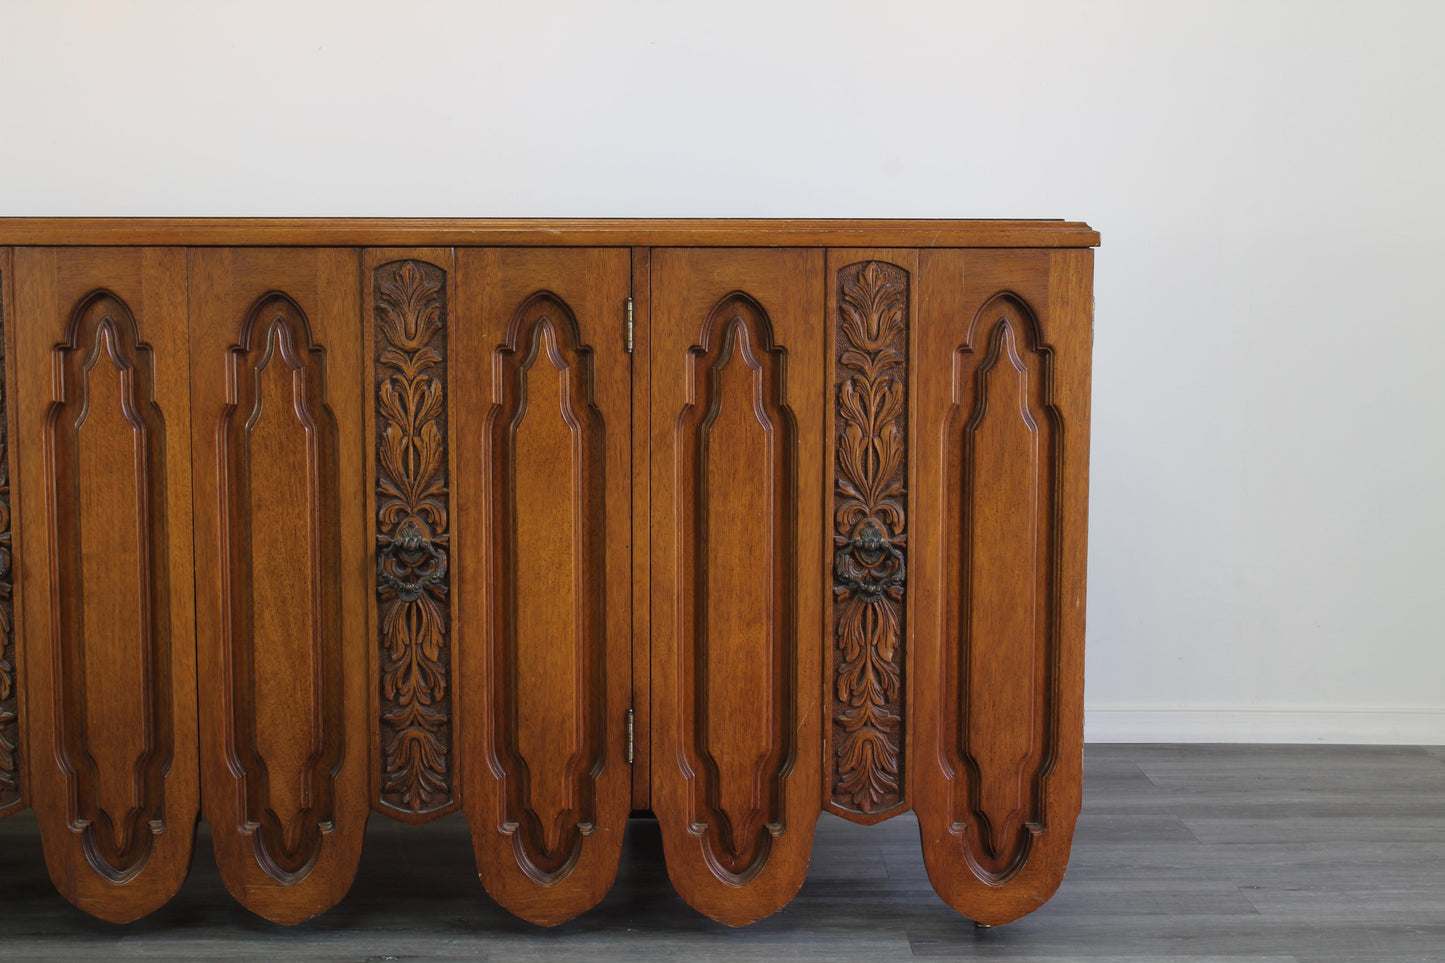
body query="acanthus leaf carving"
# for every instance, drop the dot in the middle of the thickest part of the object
(412, 536)
(870, 537)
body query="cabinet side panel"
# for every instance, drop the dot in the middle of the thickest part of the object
(1002, 375)
(110, 679)
(544, 572)
(738, 567)
(276, 339)
(12, 783)
(408, 310)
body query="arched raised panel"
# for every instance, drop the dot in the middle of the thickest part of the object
(543, 587)
(284, 571)
(738, 499)
(105, 459)
(281, 645)
(545, 443)
(997, 698)
(1000, 733)
(109, 654)
(737, 620)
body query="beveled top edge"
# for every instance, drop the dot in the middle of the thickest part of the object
(541, 232)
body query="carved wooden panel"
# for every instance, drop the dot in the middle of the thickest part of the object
(105, 459)
(408, 305)
(548, 630)
(12, 796)
(741, 736)
(869, 305)
(279, 426)
(276, 342)
(543, 536)
(109, 647)
(737, 600)
(1004, 437)
(1000, 387)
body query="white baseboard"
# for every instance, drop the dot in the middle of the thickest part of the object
(1353, 725)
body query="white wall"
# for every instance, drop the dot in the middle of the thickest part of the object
(1268, 527)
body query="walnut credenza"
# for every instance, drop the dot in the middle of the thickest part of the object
(733, 522)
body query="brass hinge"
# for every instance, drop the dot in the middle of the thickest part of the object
(629, 335)
(629, 737)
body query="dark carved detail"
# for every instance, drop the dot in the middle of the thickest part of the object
(871, 565)
(869, 538)
(410, 563)
(411, 522)
(9, 734)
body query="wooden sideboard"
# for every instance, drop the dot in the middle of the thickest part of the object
(550, 522)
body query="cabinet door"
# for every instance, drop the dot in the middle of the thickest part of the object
(1001, 417)
(104, 492)
(283, 588)
(738, 571)
(542, 444)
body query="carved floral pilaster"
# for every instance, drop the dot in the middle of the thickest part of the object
(412, 536)
(869, 536)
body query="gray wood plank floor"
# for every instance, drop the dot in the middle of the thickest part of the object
(1270, 854)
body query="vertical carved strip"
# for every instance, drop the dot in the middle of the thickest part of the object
(412, 535)
(9, 696)
(869, 537)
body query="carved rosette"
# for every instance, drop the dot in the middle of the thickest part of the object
(412, 534)
(9, 734)
(869, 537)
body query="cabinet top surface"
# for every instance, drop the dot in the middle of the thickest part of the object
(542, 232)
